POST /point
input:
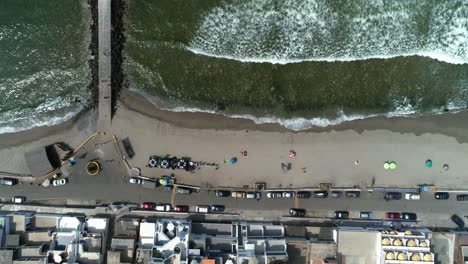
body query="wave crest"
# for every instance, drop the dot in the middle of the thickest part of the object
(317, 30)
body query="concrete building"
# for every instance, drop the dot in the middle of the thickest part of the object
(33, 238)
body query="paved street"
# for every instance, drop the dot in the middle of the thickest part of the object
(111, 186)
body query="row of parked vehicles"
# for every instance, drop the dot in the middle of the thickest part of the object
(164, 207)
(299, 212)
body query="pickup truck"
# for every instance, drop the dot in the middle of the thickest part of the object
(238, 194)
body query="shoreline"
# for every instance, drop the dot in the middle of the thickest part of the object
(449, 124)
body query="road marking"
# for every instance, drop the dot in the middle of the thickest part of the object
(173, 196)
(296, 201)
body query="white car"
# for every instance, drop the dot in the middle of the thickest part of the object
(163, 207)
(412, 196)
(288, 194)
(59, 182)
(135, 180)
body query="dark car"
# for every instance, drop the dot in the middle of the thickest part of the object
(303, 195)
(321, 194)
(222, 193)
(217, 208)
(336, 194)
(462, 197)
(297, 212)
(353, 194)
(409, 216)
(392, 215)
(8, 181)
(181, 208)
(441, 195)
(393, 196)
(341, 214)
(459, 221)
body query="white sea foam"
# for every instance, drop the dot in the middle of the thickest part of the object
(402, 108)
(292, 31)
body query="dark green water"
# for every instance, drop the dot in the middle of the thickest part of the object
(324, 62)
(43, 61)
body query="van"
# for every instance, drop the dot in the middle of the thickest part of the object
(18, 199)
(8, 181)
(183, 190)
(203, 209)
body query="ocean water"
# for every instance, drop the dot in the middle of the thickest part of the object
(44, 73)
(300, 63)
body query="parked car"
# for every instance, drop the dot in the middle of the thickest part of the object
(303, 194)
(393, 196)
(148, 205)
(288, 195)
(462, 197)
(412, 196)
(221, 193)
(409, 216)
(392, 215)
(321, 194)
(365, 215)
(18, 199)
(336, 194)
(297, 212)
(274, 195)
(441, 195)
(163, 207)
(181, 208)
(353, 194)
(59, 182)
(217, 208)
(238, 194)
(136, 180)
(253, 195)
(183, 190)
(458, 221)
(203, 209)
(341, 214)
(8, 181)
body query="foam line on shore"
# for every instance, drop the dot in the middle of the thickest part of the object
(440, 56)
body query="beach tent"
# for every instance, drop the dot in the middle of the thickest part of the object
(429, 163)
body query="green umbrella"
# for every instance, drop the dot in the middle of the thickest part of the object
(429, 163)
(386, 165)
(392, 165)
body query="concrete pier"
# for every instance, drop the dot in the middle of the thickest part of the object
(104, 35)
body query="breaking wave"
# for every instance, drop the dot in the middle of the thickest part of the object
(317, 30)
(402, 108)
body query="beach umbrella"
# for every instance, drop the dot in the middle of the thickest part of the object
(233, 160)
(429, 163)
(392, 165)
(386, 165)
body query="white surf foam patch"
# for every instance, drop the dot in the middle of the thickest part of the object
(280, 32)
(22, 124)
(402, 109)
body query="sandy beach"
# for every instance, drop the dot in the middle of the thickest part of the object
(324, 155)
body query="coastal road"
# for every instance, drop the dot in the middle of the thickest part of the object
(112, 186)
